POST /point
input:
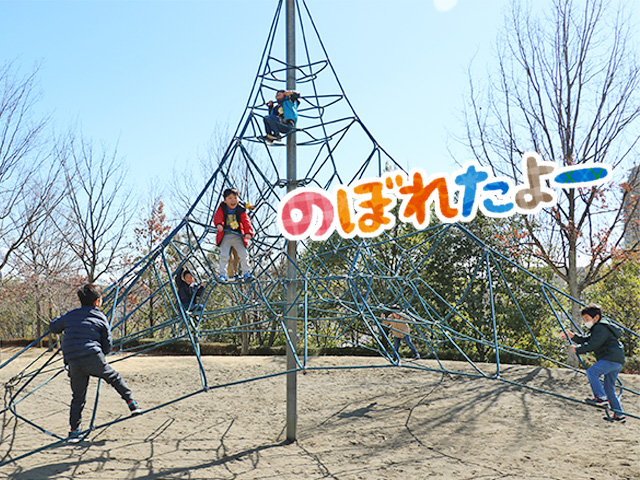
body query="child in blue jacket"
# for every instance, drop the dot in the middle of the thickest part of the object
(86, 341)
(283, 115)
(603, 342)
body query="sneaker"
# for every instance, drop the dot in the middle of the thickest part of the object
(75, 436)
(417, 357)
(619, 418)
(222, 278)
(597, 401)
(247, 276)
(269, 139)
(134, 408)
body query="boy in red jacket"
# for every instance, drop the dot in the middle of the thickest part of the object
(234, 230)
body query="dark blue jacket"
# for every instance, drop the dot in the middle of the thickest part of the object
(602, 341)
(187, 293)
(86, 332)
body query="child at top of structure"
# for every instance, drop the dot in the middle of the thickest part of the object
(86, 341)
(189, 291)
(603, 342)
(234, 230)
(283, 115)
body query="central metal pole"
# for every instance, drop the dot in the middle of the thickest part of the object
(291, 285)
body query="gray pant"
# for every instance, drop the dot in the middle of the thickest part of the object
(80, 369)
(232, 240)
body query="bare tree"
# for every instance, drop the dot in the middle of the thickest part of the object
(24, 162)
(189, 179)
(97, 205)
(567, 87)
(44, 264)
(152, 229)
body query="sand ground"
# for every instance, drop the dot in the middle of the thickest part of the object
(366, 423)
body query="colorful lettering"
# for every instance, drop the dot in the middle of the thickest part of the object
(344, 213)
(531, 197)
(419, 200)
(364, 209)
(583, 175)
(375, 215)
(469, 181)
(305, 213)
(492, 209)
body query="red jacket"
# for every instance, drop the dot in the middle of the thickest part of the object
(244, 224)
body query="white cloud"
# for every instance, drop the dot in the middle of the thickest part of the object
(444, 5)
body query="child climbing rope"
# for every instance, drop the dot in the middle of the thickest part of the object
(234, 230)
(189, 290)
(283, 115)
(86, 341)
(603, 342)
(398, 322)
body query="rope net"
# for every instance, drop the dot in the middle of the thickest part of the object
(463, 299)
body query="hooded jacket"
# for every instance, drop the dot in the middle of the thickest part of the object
(602, 341)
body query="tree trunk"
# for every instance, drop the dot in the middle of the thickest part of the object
(572, 275)
(38, 318)
(244, 334)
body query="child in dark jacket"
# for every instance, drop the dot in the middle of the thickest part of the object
(86, 341)
(603, 342)
(188, 290)
(234, 230)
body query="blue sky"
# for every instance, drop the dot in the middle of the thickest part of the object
(158, 77)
